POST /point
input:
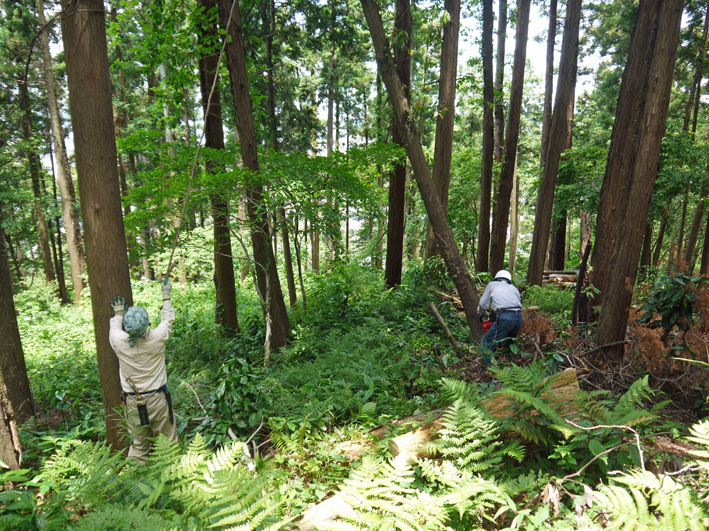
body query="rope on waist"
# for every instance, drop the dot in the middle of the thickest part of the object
(161, 389)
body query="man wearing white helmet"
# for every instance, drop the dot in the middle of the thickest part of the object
(141, 357)
(505, 302)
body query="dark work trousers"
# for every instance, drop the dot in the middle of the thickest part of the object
(503, 330)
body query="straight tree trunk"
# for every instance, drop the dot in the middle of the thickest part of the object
(693, 235)
(488, 152)
(70, 207)
(548, 82)
(269, 285)
(514, 219)
(657, 250)
(584, 230)
(623, 146)
(504, 189)
(559, 135)
(445, 116)
(499, 80)
(86, 56)
(12, 358)
(646, 254)
(226, 313)
(666, 16)
(35, 169)
(10, 448)
(397, 179)
(704, 265)
(444, 235)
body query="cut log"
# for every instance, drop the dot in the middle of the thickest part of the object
(411, 445)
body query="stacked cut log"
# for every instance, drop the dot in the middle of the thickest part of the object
(411, 445)
(562, 279)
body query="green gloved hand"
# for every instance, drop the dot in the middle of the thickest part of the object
(119, 305)
(166, 289)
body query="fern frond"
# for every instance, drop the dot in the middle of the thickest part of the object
(460, 390)
(632, 399)
(530, 379)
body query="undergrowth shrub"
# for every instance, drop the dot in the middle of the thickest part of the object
(551, 300)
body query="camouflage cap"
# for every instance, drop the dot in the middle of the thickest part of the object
(135, 322)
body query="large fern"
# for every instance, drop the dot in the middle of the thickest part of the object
(196, 487)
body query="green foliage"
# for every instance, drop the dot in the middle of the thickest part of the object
(673, 299)
(86, 485)
(550, 299)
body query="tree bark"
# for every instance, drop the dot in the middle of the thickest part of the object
(226, 311)
(499, 79)
(397, 178)
(646, 254)
(514, 219)
(559, 140)
(488, 150)
(35, 169)
(504, 189)
(269, 285)
(662, 51)
(693, 235)
(548, 82)
(84, 36)
(12, 358)
(444, 235)
(70, 207)
(704, 266)
(623, 147)
(657, 249)
(10, 448)
(445, 116)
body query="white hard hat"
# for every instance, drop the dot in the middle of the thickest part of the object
(503, 273)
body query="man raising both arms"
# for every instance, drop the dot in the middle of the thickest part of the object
(506, 303)
(141, 356)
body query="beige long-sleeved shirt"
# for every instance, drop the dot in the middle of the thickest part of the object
(144, 362)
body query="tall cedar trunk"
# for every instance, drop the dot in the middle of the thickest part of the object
(281, 220)
(397, 179)
(666, 16)
(559, 134)
(504, 189)
(693, 234)
(35, 169)
(444, 235)
(10, 448)
(488, 152)
(704, 266)
(12, 358)
(557, 242)
(695, 87)
(548, 82)
(445, 117)
(70, 207)
(514, 218)
(269, 285)
(84, 36)
(584, 230)
(57, 251)
(623, 146)
(226, 305)
(499, 79)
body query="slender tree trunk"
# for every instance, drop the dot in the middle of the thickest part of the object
(499, 79)
(504, 190)
(488, 151)
(514, 219)
(444, 235)
(397, 179)
(70, 207)
(693, 235)
(704, 266)
(10, 448)
(445, 116)
(657, 250)
(662, 52)
(35, 168)
(559, 135)
(12, 358)
(226, 312)
(584, 230)
(84, 35)
(269, 285)
(548, 82)
(57, 252)
(646, 254)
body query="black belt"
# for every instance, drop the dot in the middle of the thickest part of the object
(162, 389)
(500, 310)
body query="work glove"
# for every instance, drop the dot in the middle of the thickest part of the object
(166, 289)
(119, 305)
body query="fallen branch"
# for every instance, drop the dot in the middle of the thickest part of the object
(601, 347)
(447, 330)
